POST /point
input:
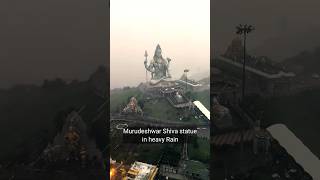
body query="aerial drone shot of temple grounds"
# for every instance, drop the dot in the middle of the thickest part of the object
(161, 101)
(262, 131)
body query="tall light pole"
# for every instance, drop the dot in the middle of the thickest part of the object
(244, 30)
(186, 73)
(146, 56)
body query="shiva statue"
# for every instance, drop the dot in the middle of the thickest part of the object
(158, 66)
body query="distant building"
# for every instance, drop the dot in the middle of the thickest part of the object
(188, 169)
(136, 171)
(133, 107)
(263, 74)
(261, 80)
(142, 171)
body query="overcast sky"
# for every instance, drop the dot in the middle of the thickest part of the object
(181, 27)
(272, 19)
(67, 38)
(51, 38)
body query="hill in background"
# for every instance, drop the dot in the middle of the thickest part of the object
(306, 62)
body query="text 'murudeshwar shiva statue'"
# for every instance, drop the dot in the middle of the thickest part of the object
(159, 67)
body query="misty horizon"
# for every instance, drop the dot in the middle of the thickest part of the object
(183, 32)
(283, 28)
(84, 77)
(44, 39)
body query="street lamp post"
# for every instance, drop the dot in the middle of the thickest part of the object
(244, 30)
(186, 72)
(146, 56)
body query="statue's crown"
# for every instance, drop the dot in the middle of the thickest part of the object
(158, 47)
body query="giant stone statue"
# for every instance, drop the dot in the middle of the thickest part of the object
(158, 66)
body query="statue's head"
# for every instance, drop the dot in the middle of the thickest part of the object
(158, 52)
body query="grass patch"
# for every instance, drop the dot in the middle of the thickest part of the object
(199, 149)
(162, 109)
(202, 96)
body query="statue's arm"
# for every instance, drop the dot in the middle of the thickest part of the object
(148, 67)
(168, 60)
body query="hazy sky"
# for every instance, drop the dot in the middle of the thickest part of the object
(272, 19)
(181, 27)
(42, 39)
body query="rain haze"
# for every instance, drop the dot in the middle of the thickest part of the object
(181, 27)
(283, 28)
(45, 39)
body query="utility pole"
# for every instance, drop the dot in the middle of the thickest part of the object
(186, 73)
(244, 30)
(146, 56)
